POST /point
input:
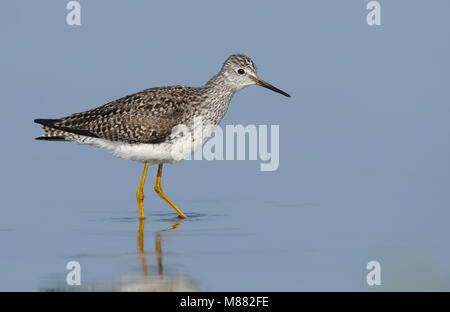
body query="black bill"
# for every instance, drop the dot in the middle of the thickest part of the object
(264, 84)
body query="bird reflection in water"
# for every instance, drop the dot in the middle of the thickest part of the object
(160, 281)
(158, 249)
(148, 281)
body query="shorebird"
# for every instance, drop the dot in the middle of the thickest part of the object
(155, 125)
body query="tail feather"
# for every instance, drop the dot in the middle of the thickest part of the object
(51, 138)
(47, 122)
(54, 132)
(50, 134)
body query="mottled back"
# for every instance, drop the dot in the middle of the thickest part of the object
(143, 117)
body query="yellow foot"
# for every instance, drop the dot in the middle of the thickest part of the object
(160, 192)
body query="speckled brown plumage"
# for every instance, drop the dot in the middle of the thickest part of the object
(144, 117)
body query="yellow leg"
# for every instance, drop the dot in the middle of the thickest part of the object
(159, 191)
(140, 193)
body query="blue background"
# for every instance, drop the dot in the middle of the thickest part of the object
(364, 145)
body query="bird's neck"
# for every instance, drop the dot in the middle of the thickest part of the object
(219, 84)
(218, 93)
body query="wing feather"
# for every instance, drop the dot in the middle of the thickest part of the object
(143, 117)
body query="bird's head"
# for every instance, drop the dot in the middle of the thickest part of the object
(240, 71)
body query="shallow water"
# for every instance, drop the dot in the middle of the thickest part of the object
(222, 246)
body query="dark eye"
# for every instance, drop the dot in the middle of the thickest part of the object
(241, 71)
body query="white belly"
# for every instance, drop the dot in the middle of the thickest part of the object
(181, 146)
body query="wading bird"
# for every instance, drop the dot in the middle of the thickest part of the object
(154, 125)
